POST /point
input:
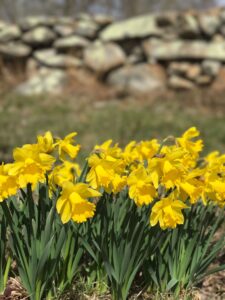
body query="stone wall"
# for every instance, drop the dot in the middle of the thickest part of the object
(180, 51)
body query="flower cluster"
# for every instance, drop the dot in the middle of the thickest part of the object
(168, 176)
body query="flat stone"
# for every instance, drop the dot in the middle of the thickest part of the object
(178, 68)
(9, 33)
(138, 79)
(102, 58)
(66, 21)
(87, 29)
(39, 37)
(84, 17)
(186, 50)
(31, 22)
(15, 50)
(137, 27)
(209, 24)
(179, 83)
(211, 67)
(50, 58)
(72, 44)
(45, 81)
(103, 20)
(64, 30)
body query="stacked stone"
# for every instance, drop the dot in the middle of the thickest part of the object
(181, 51)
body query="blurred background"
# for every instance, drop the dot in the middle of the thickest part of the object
(95, 112)
(14, 9)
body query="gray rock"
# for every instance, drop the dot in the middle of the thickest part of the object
(72, 44)
(103, 20)
(186, 50)
(179, 83)
(45, 81)
(209, 24)
(39, 37)
(66, 21)
(50, 58)
(87, 29)
(31, 22)
(211, 67)
(137, 27)
(188, 26)
(14, 50)
(102, 58)
(64, 30)
(9, 32)
(84, 17)
(178, 68)
(138, 79)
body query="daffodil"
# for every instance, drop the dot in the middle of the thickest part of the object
(148, 149)
(45, 142)
(141, 189)
(108, 151)
(168, 213)
(30, 165)
(8, 184)
(73, 203)
(66, 147)
(106, 172)
(67, 171)
(186, 141)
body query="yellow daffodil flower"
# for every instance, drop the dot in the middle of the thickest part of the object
(30, 165)
(167, 212)
(141, 189)
(73, 203)
(8, 184)
(67, 147)
(45, 142)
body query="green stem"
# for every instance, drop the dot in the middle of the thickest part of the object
(7, 268)
(30, 202)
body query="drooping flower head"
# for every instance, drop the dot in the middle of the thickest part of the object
(8, 184)
(30, 165)
(141, 188)
(45, 142)
(73, 202)
(66, 147)
(167, 212)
